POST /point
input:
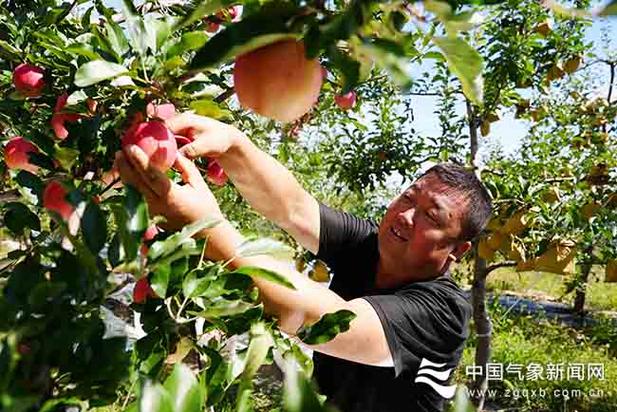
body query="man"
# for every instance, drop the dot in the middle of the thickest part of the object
(411, 318)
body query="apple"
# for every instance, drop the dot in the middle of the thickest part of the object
(29, 80)
(161, 111)
(54, 199)
(149, 234)
(142, 291)
(213, 27)
(215, 173)
(229, 14)
(156, 140)
(345, 101)
(59, 119)
(278, 81)
(16, 154)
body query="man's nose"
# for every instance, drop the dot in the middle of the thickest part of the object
(406, 216)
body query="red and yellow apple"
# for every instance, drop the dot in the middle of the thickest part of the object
(59, 118)
(54, 199)
(278, 81)
(29, 80)
(143, 291)
(16, 154)
(156, 140)
(345, 101)
(215, 173)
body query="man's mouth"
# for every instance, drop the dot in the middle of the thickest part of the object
(397, 234)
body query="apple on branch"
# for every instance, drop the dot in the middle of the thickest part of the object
(16, 154)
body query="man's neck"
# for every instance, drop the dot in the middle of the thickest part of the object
(386, 278)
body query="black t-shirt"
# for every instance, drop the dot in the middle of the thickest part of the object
(425, 323)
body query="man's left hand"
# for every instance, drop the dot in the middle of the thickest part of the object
(179, 204)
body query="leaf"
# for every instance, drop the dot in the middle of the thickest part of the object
(466, 63)
(94, 227)
(132, 221)
(209, 108)
(66, 156)
(192, 286)
(203, 8)
(160, 279)
(154, 398)
(189, 41)
(326, 328)
(97, 71)
(76, 97)
(223, 308)
(390, 57)
(169, 245)
(184, 389)
(253, 32)
(266, 274)
(264, 246)
(259, 346)
(18, 217)
(299, 394)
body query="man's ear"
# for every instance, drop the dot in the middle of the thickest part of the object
(460, 250)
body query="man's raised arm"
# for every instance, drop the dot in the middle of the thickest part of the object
(267, 185)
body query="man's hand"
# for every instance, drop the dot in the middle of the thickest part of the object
(212, 138)
(179, 204)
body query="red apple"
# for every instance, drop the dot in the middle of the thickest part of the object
(29, 80)
(16, 154)
(215, 173)
(345, 101)
(149, 234)
(142, 291)
(278, 81)
(54, 199)
(59, 118)
(161, 111)
(92, 105)
(229, 14)
(213, 27)
(156, 140)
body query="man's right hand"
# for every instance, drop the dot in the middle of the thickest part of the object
(212, 138)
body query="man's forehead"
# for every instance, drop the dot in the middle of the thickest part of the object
(443, 195)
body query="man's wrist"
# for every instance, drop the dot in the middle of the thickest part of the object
(222, 241)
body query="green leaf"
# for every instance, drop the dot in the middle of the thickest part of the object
(203, 8)
(66, 156)
(390, 57)
(209, 108)
(130, 8)
(154, 398)
(223, 307)
(160, 279)
(97, 71)
(76, 97)
(349, 68)
(466, 63)
(189, 41)
(94, 227)
(165, 247)
(18, 217)
(264, 246)
(264, 274)
(132, 221)
(326, 328)
(253, 32)
(299, 394)
(194, 286)
(259, 346)
(184, 389)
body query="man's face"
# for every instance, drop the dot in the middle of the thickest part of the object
(420, 229)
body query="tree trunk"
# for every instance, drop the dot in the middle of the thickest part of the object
(581, 288)
(478, 290)
(483, 328)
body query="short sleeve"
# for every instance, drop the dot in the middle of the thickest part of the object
(420, 324)
(340, 232)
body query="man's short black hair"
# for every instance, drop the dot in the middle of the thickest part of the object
(466, 183)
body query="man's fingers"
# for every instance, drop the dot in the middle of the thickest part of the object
(198, 148)
(130, 176)
(184, 121)
(154, 178)
(190, 173)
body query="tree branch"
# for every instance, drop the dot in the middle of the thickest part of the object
(494, 266)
